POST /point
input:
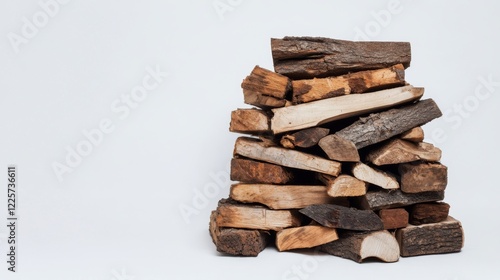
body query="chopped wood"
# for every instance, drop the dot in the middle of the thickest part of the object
(401, 151)
(250, 171)
(264, 88)
(336, 216)
(254, 149)
(437, 238)
(394, 218)
(232, 241)
(310, 57)
(359, 82)
(359, 246)
(427, 213)
(304, 138)
(249, 121)
(338, 148)
(304, 237)
(343, 186)
(382, 199)
(374, 176)
(419, 177)
(415, 134)
(382, 126)
(326, 110)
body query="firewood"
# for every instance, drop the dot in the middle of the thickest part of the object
(336, 216)
(264, 88)
(343, 186)
(359, 246)
(419, 177)
(280, 196)
(232, 241)
(250, 171)
(337, 148)
(437, 238)
(382, 126)
(304, 237)
(394, 218)
(326, 110)
(401, 151)
(304, 138)
(374, 176)
(359, 82)
(427, 213)
(252, 148)
(382, 199)
(415, 134)
(310, 57)
(249, 121)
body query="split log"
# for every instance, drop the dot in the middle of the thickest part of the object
(304, 237)
(264, 88)
(423, 177)
(394, 218)
(343, 186)
(382, 126)
(336, 216)
(400, 151)
(427, 213)
(438, 238)
(280, 196)
(337, 148)
(250, 171)
(326, 110)
(312, 57)
(374, 176)
(304, 138)
(415, 134)
(359, 246)
(359, 82)
(382, 199)
(233, 241)
(252, 121)
(254, 149)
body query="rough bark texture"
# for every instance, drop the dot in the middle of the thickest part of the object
(264, 88)
(394, 218)
(423, 177)
(252, 121)
(304, 138)
(250, 171)
(336, 216)
(427, 213)
(401, 151)
(383, 199)
(312, 57)
(382, 126)
(338, 148)
(304, 237)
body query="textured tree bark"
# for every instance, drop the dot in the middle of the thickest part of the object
(383, 199)
(250, 171)
(304, 138)
(401, 151)
(266, 89)
(394, 218)
(304, 237)
(251, 121)
(419, 177)
(427, 213)
(336, 216)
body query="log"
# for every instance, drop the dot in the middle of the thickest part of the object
(423, 177)
(394, 218)
(304, 237)
(252, 121)
(415, 134)
(336, 108)
(382, 126)
(383, 199)
(238, 242)
(304, 138)
(427, 213)
(336, 216)
(401, 151)
(250, 171)
(359, 82)
(374, 176)
(266, 89)
(280, 196)
(359, 246)
(438, 238)
(312, 57)
(254, 149)
(339, 149)
(343, 186)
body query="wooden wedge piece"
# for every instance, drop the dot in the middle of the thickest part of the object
(304, 237)
(401, 151)
(252, 121)
(374, 176)
(336, 216)
(394, 218)
(423, 177)
(427, 213)
(338, 148)
(264, 88)
(415, 134)
(343, 185)
(251, 171)
(382, 199)
(304, 138)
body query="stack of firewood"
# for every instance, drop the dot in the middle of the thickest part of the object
(337, 159)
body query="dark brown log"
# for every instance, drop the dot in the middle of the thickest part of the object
(383, 199)
(304, 138)
(338, 148)
(394, 218)
(304, 237)
(252, 121)
(423, 177)
(382, 126)
(336, 216)
(438, 238)
(313, 57)
(427, 213)
(396, 151)
(250, 171)
(264, 88)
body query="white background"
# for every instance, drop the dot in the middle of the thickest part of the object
(116, 215)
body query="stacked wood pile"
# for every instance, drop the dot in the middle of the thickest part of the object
(336, 159)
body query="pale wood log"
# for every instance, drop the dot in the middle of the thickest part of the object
(304, 138)
(400, 151)
(338, 148)
(343, 185)
(336, 216)
(427, 213)
(304, 237)
(250, 171)
(394, 218)
(383, 199)
(419, 177)
(252, 121)
(415, 134)
(374, 176)
(264, 88)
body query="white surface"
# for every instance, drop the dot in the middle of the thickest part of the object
(117, 214)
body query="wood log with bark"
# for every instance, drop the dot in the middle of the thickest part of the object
(305, 138)
(383, 199)
(427, 213)
(419, 177)
(251, 121)
(266, 89)
(336, 216)
(394, 218)
(251, 171)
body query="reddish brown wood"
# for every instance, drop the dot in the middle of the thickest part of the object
(426, 213)
(394, 218)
